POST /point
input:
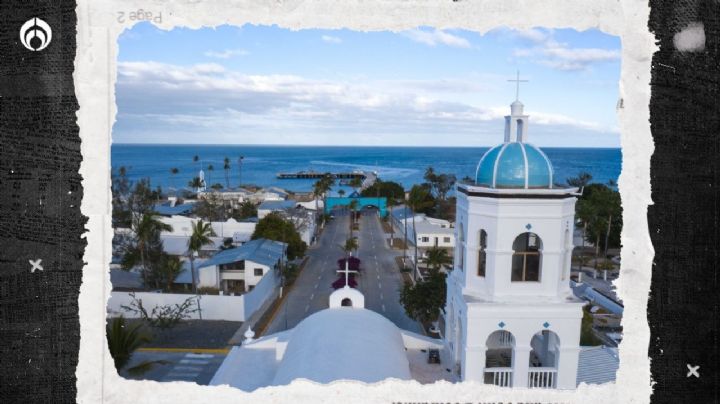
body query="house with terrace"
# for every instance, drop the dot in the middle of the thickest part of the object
(239, 269)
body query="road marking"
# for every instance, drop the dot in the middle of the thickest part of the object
(194, 355)
(381, 296)
(189, 368)
(379, 285)
(307, 308)
(383, 307)
(319, 277)
(312, 296)
(316, 285)
(378, 276)
(194, 361)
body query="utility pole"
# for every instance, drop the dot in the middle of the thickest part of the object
(240, 160)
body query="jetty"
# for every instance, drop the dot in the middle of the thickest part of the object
(368, 177)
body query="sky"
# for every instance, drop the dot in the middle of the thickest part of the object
(421, 87)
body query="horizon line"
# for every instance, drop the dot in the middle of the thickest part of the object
(350, 145)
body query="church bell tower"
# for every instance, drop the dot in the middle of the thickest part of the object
(511, 318)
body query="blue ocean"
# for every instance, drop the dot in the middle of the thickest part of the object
(405, 165)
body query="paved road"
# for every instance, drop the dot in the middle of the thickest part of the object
(181, 366)
(379, 281)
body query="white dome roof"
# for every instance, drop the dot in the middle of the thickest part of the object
(344, 344)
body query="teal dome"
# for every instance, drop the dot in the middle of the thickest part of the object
(514, 165)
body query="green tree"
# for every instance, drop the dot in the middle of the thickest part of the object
(196, 183)
(581, 180)
(245, 210)
(353, 211)
(125, 339)
(423, 300)
(351, 244)
(275, 227)
(226, 167)
(170, 268)
(386, 189)
(200, 237)
(587, 336)
(173, 172)
(356, 183)
(440, 184)
(419, 200)
(341, 193)
(437, 257)
(147, 229)
(121, 213)
(210, 170)
(142, 199)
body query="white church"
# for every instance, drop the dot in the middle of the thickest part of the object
(510, 319)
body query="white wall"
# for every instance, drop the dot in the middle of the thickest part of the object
(228, 308)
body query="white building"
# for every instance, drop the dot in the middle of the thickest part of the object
(511, 318)
(175, 242)
(343, 342)
(427, 232)
(239, 269)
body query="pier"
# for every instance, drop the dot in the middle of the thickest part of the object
(368, 178)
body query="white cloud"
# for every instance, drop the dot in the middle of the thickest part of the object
(436, 37)
(549, 52)
(331, 39)
(208, 100)
(226, 54)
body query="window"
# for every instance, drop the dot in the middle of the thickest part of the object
(482, 245)
(258, 272)
(446, 239)
(526, 258)
(234, 266)
(425, 239)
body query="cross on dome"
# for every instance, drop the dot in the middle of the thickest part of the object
(517, 85)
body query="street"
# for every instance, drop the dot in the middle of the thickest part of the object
(379, 279)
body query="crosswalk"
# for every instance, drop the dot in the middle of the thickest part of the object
(189, 367)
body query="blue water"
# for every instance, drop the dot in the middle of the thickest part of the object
(405, 165)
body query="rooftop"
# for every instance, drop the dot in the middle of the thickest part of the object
(597, 365)
(262, 251)
(277, 205)
(166, 210)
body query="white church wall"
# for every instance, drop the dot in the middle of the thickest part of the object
(548, 219)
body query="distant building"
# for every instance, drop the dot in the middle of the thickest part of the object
(428, 232)
(175, 241)
(267, 207)
(239, 269)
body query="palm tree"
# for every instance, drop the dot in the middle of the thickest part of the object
(353, 207)
(582, 179)
(437, 257)
(201, 233)
(210, 169)
(418, 199)
(146, 227)
(171, 268)
(351, 244)
(226, 167)
(173, 173)
(355, 183)
(341, 193)
(196, 183)
(240, 160)
(123, 340)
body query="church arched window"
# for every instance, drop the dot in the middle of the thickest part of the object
(482, 256)
(526, 258)
(519, 129)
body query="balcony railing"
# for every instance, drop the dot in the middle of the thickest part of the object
(542, 377)
(498, 376)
